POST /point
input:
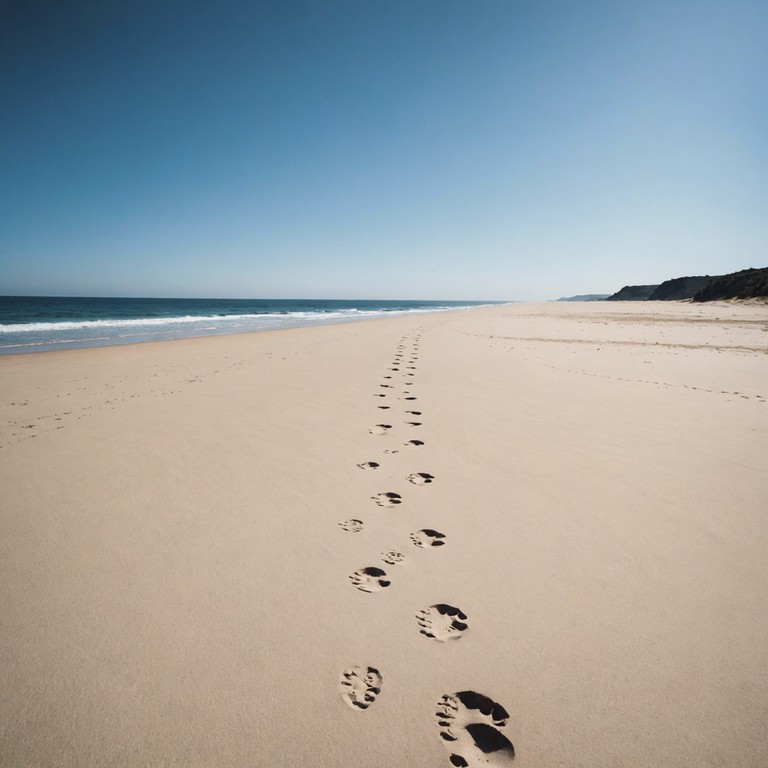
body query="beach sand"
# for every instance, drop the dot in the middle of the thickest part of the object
(175, 580)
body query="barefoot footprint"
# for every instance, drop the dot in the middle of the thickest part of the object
(353, 525)
(370, 579)
(369, 465)
(380, 429)
(388, 499)
(470, 726)
(360, 686)
(442, 622)
(420, 478)
(393, 557)
(427, 537)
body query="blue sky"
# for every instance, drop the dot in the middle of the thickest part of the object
(454, 150)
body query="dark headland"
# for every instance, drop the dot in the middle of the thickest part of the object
(745, 284)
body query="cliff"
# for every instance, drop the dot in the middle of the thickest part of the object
(680, 288)
(746, 284)
(633, 293)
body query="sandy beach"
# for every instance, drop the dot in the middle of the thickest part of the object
(196, 570)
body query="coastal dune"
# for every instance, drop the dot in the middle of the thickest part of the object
(410, 541)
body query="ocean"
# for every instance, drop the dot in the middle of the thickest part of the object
(38, 324)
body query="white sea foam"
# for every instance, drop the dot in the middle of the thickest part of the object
(42, 336)
(74, 325)
(219, 320)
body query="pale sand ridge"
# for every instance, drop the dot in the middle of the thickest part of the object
(581, 581)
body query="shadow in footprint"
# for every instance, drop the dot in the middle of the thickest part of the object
(415, 443)
(370, 579)
(388, 499)
(428, 537)
(360, 686)
(442, 622)
(470, 727)
(420, 478)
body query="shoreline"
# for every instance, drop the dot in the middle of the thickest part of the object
(136, 321)
(611, 308)
(176, 567)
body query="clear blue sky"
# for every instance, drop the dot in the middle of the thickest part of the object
(454, 149)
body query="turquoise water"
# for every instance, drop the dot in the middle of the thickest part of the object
(35, 324)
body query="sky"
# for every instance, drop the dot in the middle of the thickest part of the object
(484, 150)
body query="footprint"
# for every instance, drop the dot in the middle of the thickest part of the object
(380, 429)
(370, 579)
(420, 478)
(360, 686)
(369, 465)
(469, 726)
(388, 499)
(378, 395)
(414, 413)
(427, 537)
(386, 386)
(415, 443)
(393, 557)
(384, 407)
(353, 525)
(409, 398)
(413, 423)
(442, 622)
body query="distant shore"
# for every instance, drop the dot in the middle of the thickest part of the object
(294, 548)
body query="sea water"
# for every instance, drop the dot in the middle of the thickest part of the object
(36, 324)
